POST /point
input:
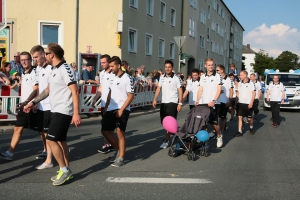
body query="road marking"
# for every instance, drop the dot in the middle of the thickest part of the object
(157, 180)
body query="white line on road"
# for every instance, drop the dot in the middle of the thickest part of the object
(157, 180)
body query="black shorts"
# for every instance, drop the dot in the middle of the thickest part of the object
(244, 111)
(223, 111)
(102, 108)
(110, 122)
(168, 109)
(232, 102)
(214, 113)
(59, 127)
(26, 120)
(192, 106)
(43, 120)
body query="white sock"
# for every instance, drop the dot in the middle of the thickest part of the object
(240, 131)
(9, 153)
(251, 127)
(64, 169)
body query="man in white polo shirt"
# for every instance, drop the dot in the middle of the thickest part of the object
(117, 109)
(257, 96)
(275, 95)
(225, 97)
(64, 101)
(44, 108)
(246, 94)
(170, 85)
(210, 90)
(106, 78)
(192, 88)
(29, 90)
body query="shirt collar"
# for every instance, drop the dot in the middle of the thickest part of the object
(29, 71)
(45, 65)
(172, 74)
(198, 79)
(246, 81)
(225, 77)
(60, 64)
(277, 83)
(213, 74)
(121, 74)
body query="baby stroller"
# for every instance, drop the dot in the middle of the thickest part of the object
(185, 139)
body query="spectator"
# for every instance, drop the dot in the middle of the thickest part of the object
(143, 68)
(74, 66)
(125, 65)
(149, 78)
(233, 71)
(16, 64)
(4, 72)
(160, 72)
(87, 75)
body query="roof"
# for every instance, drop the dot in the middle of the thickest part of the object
(247, 49)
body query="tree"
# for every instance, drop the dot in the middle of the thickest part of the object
(286, 61)
(262, 62)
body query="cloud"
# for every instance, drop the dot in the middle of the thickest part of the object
(274, 39)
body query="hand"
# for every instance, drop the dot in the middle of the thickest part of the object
(196, 103)
(250, 105)
(154, 103)
(21, 105)
(179, 107)
(119, 113)
(268, 99)
(76, 120)
(35, 108)
(282, 100)
(27, 108)
(211, 104)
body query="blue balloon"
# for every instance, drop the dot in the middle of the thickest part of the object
(297, 71)
(202, 135)
(271, 71)
(265, 73)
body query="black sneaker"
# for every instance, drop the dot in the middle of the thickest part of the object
(251, 131)
(213, 136)
(105, 150)
(238, 134)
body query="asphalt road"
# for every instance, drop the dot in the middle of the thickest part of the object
(263, 166)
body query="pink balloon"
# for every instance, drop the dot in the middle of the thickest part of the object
(170, 124)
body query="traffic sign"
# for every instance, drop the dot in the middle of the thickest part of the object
(179, 40)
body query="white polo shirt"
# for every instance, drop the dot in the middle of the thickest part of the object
(106, 79)
(60, 96)
(170, 85)
(245, 90)
(234, 91)
(276, 91)
(257, 88)
(43, 76)
(210, 85)
(120, 87)
(227, 84)
(29, 80)
(193, 87)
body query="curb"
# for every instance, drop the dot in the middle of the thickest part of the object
(86, 121)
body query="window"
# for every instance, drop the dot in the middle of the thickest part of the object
(192, 27)
(202, 41)
(133, 3)
(132, 40)
(222, 13)
(201, 64)
(173, 17)
(161, 48)
(193, 3)
(213, 25)
(213, 46)
(208, 33)
(208, 16)
(148, 45)
(162, 12)
(214, 4)
(172, 50)
(149, 7)
(203, 17)
(50, 31)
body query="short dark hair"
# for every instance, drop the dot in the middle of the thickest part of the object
(201, 71)
(116, 60)
(105, 56)
(56, 50)
(230, 74)
(26, 53)
(195, 71)
(169, 62)
(37, 48)
(124, 62)
(221, 67)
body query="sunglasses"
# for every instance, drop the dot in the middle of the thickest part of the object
(47, 53)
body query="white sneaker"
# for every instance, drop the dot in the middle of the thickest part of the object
(164, 145)
(220, 141)
(44, 166)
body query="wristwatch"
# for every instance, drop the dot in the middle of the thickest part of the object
(180, 104)
(214, 101)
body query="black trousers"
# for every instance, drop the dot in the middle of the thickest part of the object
(275, 108)
(255, 106)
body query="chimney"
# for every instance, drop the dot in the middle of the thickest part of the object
(248, 46)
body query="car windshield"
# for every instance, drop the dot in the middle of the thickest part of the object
(285, 79)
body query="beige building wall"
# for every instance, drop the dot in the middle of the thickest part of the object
(97, 25)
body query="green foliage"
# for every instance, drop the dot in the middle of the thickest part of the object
(286, 61)
(262, 62)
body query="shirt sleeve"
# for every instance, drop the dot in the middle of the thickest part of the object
(231, 84)
(179, 82)
(253, 87)
(160, 81)
(68, 75)
(219, 79)
(282, 87)
(258, 86)
(34, 79)
(130, 85)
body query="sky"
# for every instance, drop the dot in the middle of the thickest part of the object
(270, 25)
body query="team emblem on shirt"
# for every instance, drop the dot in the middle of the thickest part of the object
(54, 75)
(43, 75)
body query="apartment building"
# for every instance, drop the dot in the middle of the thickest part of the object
(212, 31)
(139, 31)
(249, 56)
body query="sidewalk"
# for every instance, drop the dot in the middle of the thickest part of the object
(8, 127)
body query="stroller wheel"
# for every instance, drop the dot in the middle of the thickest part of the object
(172, 152)
(191, 156)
